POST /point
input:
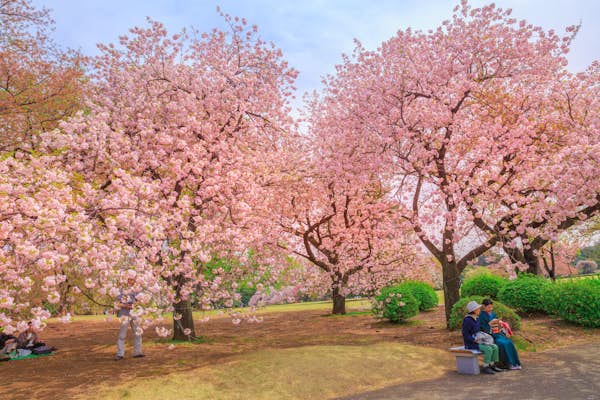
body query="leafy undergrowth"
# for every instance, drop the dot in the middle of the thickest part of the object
(310, 372)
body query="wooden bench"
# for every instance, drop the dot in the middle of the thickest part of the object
(466, 360)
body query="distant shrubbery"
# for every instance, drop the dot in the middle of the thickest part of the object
(423, 293)
(524, 293)
(395, 303)
(576, 301)
(483, 284)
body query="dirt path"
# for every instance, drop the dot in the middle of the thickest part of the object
(571, 373)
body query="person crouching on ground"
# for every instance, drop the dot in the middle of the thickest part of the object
(470, 328)
(124, 303)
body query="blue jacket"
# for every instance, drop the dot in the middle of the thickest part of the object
(470, 327)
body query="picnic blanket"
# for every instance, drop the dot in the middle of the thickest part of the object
(15, 357)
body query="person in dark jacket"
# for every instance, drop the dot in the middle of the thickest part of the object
(470, 329)
(7, 344)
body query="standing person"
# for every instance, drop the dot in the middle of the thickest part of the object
(470, 328)
(124, 303)
(490, 324)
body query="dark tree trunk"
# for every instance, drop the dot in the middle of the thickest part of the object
(184, 308)
(339, 304)
(339, 300)
(451, 277)
(533, 262)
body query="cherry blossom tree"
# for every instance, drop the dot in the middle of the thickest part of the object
(175, 151)
(467, 114)
(334, 213)
(44, 231)
(40, 83)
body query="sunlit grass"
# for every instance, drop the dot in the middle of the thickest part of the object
(353, 306)
(310, 372)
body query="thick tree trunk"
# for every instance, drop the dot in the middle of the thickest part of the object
(183, 308)
(339, 304)
(339, 300)
(451, 277)
(533, 262)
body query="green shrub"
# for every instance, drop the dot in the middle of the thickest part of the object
(459, 310)
(549, 298)
(423, 293)
(246, 293)
(579, 302)
(483, 284)
(523, 293)
(395, 303)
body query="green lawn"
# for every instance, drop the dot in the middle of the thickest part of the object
(308, 372)
(352, 306)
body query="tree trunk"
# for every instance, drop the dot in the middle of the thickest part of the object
(533, 262)
(339, 300)
(339, 303)
(451, 276)
(184, 308)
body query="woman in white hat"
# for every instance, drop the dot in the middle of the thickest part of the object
(470, 329)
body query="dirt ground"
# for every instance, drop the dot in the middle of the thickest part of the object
(86, 348)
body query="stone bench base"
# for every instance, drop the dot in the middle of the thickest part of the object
(466, 360)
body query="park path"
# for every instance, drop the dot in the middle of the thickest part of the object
(570, 373)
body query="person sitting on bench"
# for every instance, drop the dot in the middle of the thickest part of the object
(491, 324)
(470, 328)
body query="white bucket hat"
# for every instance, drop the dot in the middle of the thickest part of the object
(472, 306)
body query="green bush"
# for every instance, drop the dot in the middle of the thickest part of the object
(579, 302)
(549, 298)
(423, 293)
(246, 293)
(459, 310)
(523, 294)
(485, 284)
(395, 303)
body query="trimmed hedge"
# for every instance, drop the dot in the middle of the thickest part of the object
(524, 293)
(578, 302)
(459, 310)
(485, 284)
(549, 298)
(423, 293)
(395, 303)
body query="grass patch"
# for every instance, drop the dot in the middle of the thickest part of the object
(348, 314)
(354, 306)
(196, 340)
(440, 295)
(311, 372)
(523, 345)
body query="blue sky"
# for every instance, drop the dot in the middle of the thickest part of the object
(312, 33)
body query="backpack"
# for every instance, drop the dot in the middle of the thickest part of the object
(42, 350)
